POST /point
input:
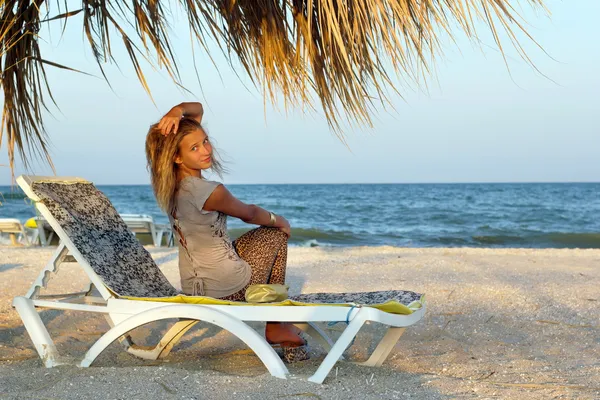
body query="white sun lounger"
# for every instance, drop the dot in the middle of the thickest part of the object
(141, 223)
(42, 232)
(130, 290)
(15, 230)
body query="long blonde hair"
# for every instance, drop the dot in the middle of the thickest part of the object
(161, 151)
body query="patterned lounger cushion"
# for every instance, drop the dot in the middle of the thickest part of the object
(404, 297)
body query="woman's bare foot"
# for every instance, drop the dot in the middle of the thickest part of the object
(283, 333)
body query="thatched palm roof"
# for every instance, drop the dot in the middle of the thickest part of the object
(341, 50)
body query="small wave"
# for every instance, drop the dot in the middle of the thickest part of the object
(306, 236)
(13, 196)
(312, 243)
(442, 240)
(323, 237)
(582, 240)
(498, 239)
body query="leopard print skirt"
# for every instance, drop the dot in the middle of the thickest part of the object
(265, 250)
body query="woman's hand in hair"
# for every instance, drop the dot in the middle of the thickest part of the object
(169, 123)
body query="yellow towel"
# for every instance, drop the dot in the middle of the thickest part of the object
(392, 306)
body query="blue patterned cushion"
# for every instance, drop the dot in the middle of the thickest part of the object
(103, 239)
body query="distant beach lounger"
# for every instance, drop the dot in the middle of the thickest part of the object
(42, 231)
(140, 223)
(15, 229)
(130, 290)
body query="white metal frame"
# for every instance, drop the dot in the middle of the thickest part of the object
(125, 315)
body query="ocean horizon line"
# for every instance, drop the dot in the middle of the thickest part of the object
(380, 183)
(362, 183)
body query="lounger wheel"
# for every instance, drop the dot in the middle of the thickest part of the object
(199, 313)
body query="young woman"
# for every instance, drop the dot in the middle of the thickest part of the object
(178, 151)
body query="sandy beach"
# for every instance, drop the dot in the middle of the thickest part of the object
(501, 323)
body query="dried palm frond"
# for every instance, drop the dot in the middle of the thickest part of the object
(340, 50)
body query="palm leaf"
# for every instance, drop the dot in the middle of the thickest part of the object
(338, 52)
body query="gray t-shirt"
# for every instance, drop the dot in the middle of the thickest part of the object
(208, 263)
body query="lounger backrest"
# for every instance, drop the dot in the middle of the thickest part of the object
(98, 232)
(138, 222)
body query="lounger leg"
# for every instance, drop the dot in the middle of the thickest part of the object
(34, 235)
(42, 234)
(164, 346)
(25, 237)
(153, 233)
(173, 336)
(50, 237)
(159, 237)
(193, 312)
(384, 347)
(125, 340)
(338, 349)
(317, 334)
(37, 331)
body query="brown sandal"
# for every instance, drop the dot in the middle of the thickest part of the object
(292, 352)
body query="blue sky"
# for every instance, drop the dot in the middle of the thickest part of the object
(476, 123)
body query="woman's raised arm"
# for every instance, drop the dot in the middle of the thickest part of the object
(169, 123)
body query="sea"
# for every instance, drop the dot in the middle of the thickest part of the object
(525, 215)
